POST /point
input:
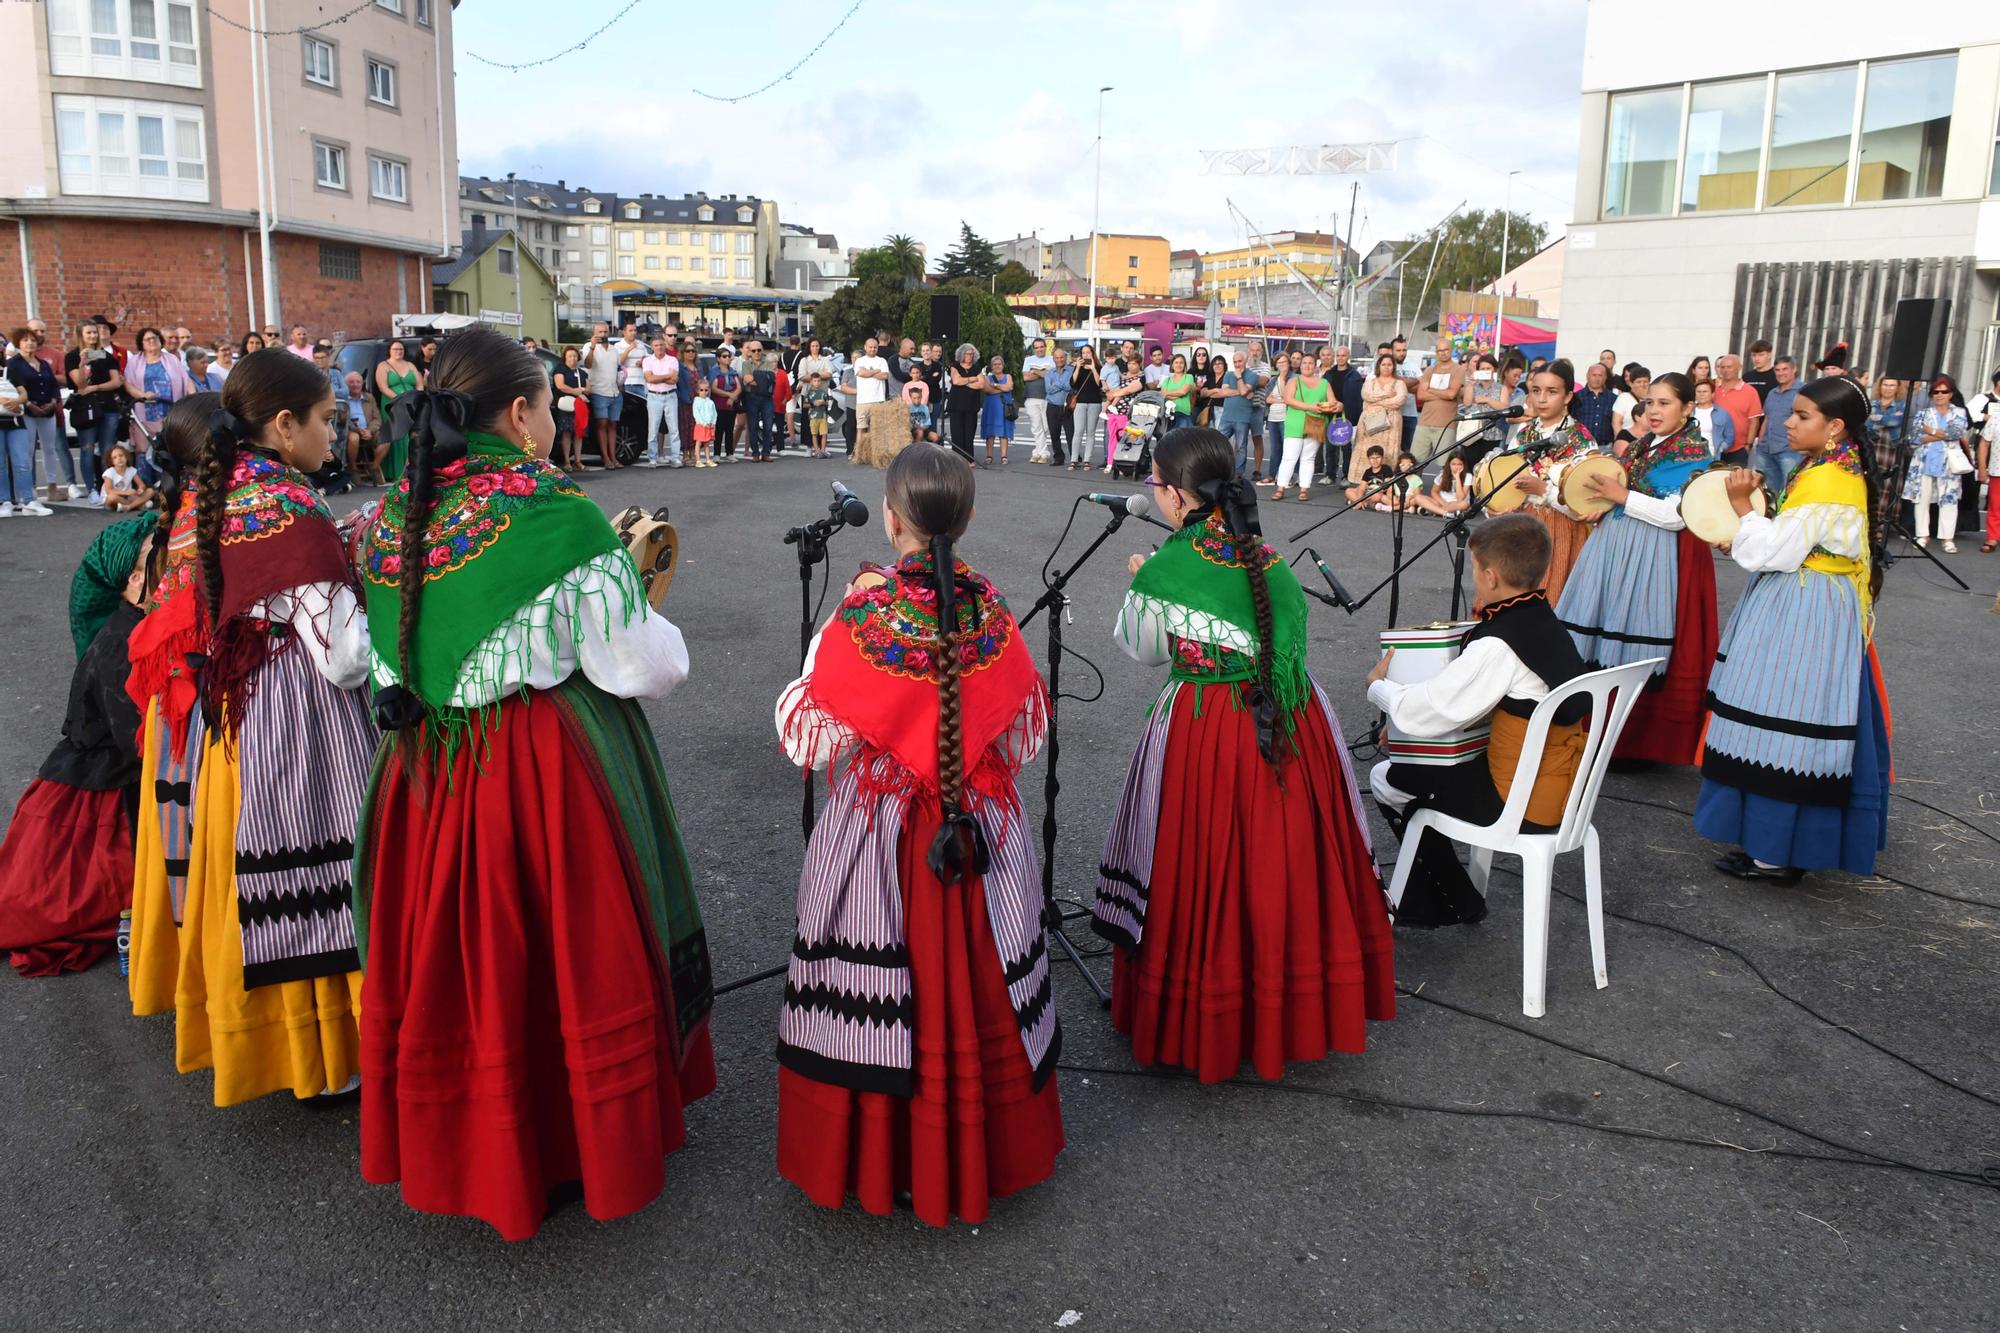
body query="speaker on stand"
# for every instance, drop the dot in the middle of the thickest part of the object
(944, 321)
(1915, 354)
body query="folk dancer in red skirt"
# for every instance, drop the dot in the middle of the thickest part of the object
(1645, 586)
(1237, 878)
(919, 1033)
(537, 987)
(66, 863)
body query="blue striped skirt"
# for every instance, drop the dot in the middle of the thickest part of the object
(1619, 603)
(1784, 696)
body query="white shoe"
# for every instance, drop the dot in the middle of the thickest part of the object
(77, 491)
(1922, 542)
(6, 509)
(1951, 548)
(36, 508)
(96, 500)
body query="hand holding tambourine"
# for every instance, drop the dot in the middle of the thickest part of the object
(1741, 484)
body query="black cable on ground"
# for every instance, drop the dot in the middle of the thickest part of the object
(1989, 1176)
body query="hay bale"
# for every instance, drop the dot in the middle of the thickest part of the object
(885, 432)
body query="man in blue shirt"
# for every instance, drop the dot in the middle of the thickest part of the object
(1239, 421)
(1057, 382)
(1773, 455)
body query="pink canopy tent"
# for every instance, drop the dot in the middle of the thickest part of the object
(1157, 326)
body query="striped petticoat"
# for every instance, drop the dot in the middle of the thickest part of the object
(1783, 696)
(848, 1013)
(306, 750)
(1619, 602)
(173, 796)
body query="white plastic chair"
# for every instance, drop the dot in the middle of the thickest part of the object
(1613, 692)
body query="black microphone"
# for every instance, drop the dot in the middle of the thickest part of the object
(847, 506)
(1342, 598)
(1513, 413)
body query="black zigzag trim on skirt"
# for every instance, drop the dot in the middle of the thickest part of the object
(1778, 784)
(853, 1008)
(862, 955)
(295, 858)
(1023, 966)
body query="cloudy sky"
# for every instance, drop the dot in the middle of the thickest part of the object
(916, 115)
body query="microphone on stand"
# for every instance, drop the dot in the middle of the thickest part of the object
(1475, 452)
(1138, 505)
(1341, 598)
(847, 506)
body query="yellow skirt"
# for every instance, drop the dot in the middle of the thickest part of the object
(296, 1036)
(156, 943)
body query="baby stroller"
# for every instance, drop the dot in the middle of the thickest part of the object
(1132, 451)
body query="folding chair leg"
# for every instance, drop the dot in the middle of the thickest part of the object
(1406, 857)
(1536, 869)
(1480, 867)
(1593, 891)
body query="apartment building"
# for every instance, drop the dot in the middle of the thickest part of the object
(1131, 265)
(1227, 274)
(225, 164)
(1791, 183)
(588, 238)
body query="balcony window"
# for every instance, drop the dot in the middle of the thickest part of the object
(718, 268)
(1725, 144)
(718, 243)
(150, 41)
(625, 266)
(388, 179)
(1639, 152)
(110, 146)
(1812, 131)
(743, 268)
(627, 241)
(1905, 123)
(746, 244)
(320, 66)
(330, 171)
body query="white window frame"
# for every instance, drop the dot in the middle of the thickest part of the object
(673, 261)
(381, 172)
(745, 214)
(678, 238)
(383, 71)
(627, 241)
(743, 269)
(746, 244)
(308, 41)
(626, 268)
(75, 48)
(600, 235)
(178, 120)
(718, 243)
(652, 238)
(570, 229)
(716, 267)
(393, 6)
(633, 212)
(705, 214)
(593, 206)
(600, 259)
(336, 159)
(572, 256)
(652, 262)
(423, 13)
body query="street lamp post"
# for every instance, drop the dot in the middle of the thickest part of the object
(1500, 292)
(1096, 199)
(516, 186)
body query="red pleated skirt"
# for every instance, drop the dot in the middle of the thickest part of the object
(516, 1024)
(1666, 724)
(65, 875)
(1266, 936)
(974, 1129)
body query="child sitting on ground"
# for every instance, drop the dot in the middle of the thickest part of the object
(1409, 482)
(1372, 476)
(816, 401)
(124, 488)
(1516, 655)
(704, 424)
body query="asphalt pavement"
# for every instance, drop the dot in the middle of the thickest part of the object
(1652, 1155)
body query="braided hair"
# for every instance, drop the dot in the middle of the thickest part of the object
(475, 380)
(1850, 408)
(262, 387)
(175, 453)
(931, 490)
(1202, 462)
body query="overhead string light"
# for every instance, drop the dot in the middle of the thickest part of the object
(516, 67)
(226, 21)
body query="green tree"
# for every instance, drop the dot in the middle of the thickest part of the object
(853, 313)
(983, 320)
(1469, 258)
(875, 263)
(1012, 279)
(973, 257)
(906, 258)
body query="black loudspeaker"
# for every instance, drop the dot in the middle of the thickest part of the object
(1916, 340)
(944, 321)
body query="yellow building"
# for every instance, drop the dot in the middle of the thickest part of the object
(1226, 274)
(719, 241)
(1133, 265)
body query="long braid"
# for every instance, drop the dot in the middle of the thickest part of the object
(951, 724)
(416, 516)
(170, 508)
(216, 460)
(1260, 602)
(959, 850)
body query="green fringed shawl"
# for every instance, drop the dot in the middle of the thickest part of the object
(504, 529)
(1198, 584)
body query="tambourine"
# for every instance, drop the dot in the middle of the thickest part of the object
(1571, 480)
(1498, 478)
(1707, 511)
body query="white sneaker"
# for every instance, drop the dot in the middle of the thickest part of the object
(96, 500)
(6, 509)
(77, 491)
(37, 508)
(1951, 548)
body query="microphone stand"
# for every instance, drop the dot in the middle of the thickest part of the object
(811, 539)
(1055, 599)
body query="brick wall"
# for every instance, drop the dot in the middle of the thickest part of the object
(142, 273)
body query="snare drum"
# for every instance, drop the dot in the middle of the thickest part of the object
(1574, 485)
(1498, 479)
(1421, 653)
(1706, 509)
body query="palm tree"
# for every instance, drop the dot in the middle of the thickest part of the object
(904, 254)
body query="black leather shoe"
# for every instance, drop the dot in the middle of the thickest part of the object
(1739, 865)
